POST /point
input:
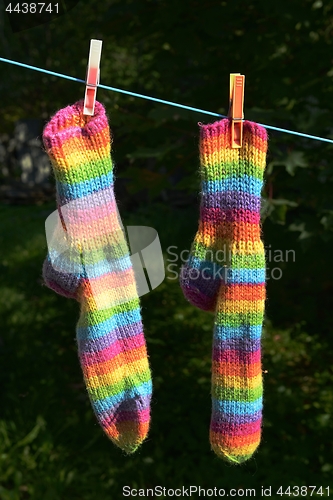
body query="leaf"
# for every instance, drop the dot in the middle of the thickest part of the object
(293, 160)
(327, 220)
(276, 209)
(281, 201)
(31, 436)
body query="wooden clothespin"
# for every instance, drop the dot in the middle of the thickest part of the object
(92, 79)
(236, 108)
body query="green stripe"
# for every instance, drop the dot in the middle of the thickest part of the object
(253, 261)
(216, 171)
(115, 250)
(239, 319)
(112, 251)
(239, 395)
(84, 171)
(112, 390)
(95, 317)
(211, 254)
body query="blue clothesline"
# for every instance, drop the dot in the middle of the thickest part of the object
(161, 101)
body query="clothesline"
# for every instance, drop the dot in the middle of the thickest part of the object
(161, 101)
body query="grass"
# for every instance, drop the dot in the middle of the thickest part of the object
(51, 446)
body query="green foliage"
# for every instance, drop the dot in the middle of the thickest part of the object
(50, 444)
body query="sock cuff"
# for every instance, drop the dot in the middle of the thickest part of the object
(79, 148)
(219, 133)
(70, 123)
(228, 173)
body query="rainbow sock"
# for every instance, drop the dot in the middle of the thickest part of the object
(204, 272)
(230, 220)
(96, 270)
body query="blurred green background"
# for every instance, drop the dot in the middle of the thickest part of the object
(50, 444)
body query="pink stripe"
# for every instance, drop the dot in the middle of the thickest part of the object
(237, 357)
(55, 137)
(218, 215)
(85, 216)
(110, 352)
(96, 224)
(215, 129)
(95, 199)
(222, 127)
(236, 429)
(114, 279)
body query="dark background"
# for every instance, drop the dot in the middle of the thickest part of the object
(50, 444)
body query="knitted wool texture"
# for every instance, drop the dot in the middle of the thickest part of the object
(232, 180)
(96, 270)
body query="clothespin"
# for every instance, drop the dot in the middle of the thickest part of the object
(236, 108)
(92, 79)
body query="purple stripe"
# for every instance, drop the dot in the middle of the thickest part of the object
(198, 299)
(198, 290)
(228, 419)
(135, 408)
(100, 343)
(233, 429)
(232, 200)
(133, 416)
(236, 344)
(96, 199)
(218, 215)
(200, 281)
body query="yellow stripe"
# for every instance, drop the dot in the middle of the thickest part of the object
(248, 449)
(241, 247)
(94, 245)
(244, 247)
(209, 240)
(240, 306)
(237, 382)
(112, 297)
(232, 157)
(112, 378)
(109, 224)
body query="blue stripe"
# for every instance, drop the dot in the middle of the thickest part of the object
(251, 276)
(245, 184)
(65, 265)
(119, 320)
(238, 275)
(111, 402)
(241, 332)
(212, 269)
(80, 189)
(106, 266)
(237, 407)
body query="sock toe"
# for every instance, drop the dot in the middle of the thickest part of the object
(129, 425)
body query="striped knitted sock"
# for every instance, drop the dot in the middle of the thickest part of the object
(204, 272)
(236, 179)
(96, 270)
